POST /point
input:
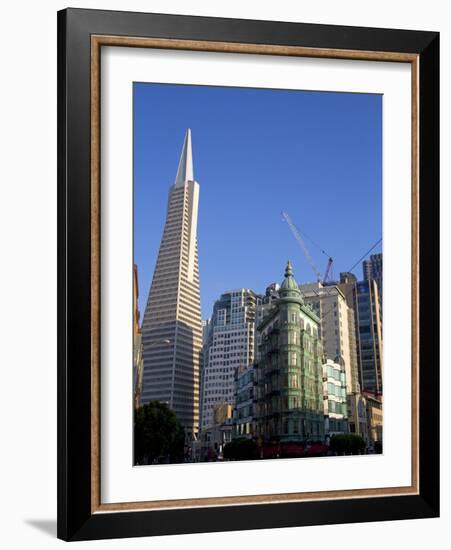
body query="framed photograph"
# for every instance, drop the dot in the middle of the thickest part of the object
(248, 274)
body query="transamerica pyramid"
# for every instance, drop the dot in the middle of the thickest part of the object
(171, 328)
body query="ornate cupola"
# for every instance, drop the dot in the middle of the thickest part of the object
(289, 289)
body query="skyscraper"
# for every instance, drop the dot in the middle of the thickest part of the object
(229, 348)
(171, 329)
(363, 296)
(337, 328)
(370, 336)
(372, 269)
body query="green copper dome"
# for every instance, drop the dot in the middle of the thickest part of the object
(289, 287)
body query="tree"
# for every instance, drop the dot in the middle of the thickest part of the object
(347, 443)
(158, 434)
(241, 449)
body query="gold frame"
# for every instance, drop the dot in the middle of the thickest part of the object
(97, 41)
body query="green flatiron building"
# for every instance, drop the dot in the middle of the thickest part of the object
(289, 393)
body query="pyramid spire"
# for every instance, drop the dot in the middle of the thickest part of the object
(172, 327)
(185, 170)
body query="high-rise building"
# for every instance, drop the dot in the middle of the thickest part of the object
(369, 336)
(172, 330)
(266, 303)
(347, 288)
(346, 277)
(289, 396)
(337, 328)
(372, 269)
(205, 330)
(363, 297)
(229, 347)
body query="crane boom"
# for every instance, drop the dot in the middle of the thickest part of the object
(328, 270)
(301, 243)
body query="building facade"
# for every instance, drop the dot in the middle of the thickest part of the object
(171, 329)
(374, 418)
(372, 269)
(369, 336)
(229, 348)
(334, 399)
(289, 388)
(363, 297)
(337, 328)
(243, 415)
(266, 303)
(211, 442)
(338, 332)
(357, 419)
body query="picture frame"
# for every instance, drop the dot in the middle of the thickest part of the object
(81, 36)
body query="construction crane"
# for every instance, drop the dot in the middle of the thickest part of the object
(304, 248)
(328, 270)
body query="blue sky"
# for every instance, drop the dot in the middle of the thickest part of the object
(315, 155)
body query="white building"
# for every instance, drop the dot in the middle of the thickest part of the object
(335, 404)
(229, 347)
(337, 328)
(171, 329)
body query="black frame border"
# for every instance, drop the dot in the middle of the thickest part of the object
(75, 520)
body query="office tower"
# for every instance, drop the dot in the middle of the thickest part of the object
(337, 328)
(363, 297)
(206, 323)
(172, 330)
(289, 396)
(230, 347)
(372, 269)
(369, 329)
